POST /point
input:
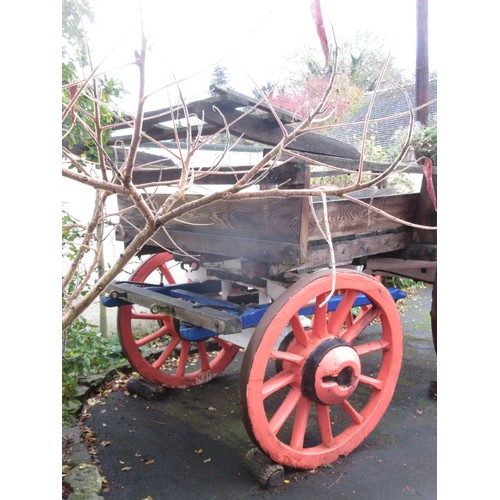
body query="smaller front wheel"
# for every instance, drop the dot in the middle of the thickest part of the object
(153, 346)
(314, 381)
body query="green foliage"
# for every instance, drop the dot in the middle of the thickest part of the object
(84, 110)
(424, 142)
(85, 351)
(74, 14)
(373, 151)
(402, 283)
(102, 90)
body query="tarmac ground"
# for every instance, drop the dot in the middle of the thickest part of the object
(191, 443)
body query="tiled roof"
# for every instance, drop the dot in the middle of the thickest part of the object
(387, 103)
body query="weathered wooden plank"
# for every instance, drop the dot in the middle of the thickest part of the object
(236, 99)
(268, 230)
(206, 317)
(276, 220)
(346, 217)
(347, 250)
(352, 165)
(286, 175)
(266, 132)
(274, 252)
(422, 270)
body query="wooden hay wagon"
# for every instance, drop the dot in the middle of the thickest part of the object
(322, 355)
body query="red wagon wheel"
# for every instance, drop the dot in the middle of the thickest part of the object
(153, 346)
(337, 370)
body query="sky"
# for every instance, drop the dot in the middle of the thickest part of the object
(256, 41)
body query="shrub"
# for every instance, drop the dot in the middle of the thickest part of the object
(424, 142)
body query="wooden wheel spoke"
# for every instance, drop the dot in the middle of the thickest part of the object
(372, 382)
(165, 271)
(284, 411)
(277, 382)
(353, 330)
(205, 362)
(356, 417)
(338, 317)
(287, 356)
(379, 345)
(166, 353)
(300, 423)
(164, 330)
(181, 367)
(298, 330)
(320, 313)
(325, 425)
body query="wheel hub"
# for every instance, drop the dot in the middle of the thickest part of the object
(331, 372)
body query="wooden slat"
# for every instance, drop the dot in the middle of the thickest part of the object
(421, 270)
(349, 218)
(253, 219)
(353, 165)
(286, 175)
(265, 229)
(206, 317)
(229, 96)
(265, 132)
(348, 250)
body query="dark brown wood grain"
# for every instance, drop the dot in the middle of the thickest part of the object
(346, 217)
(349, 249)
(265, 229)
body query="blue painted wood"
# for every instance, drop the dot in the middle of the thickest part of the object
(250, 315)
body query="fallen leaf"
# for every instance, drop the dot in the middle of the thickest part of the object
(105, 443)
(199, 451)
(207, 460)
(148, 461)
(126, 469)
(418, 412)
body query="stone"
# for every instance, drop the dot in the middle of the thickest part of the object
(74, 451)
(84, 479)
(85, 496)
